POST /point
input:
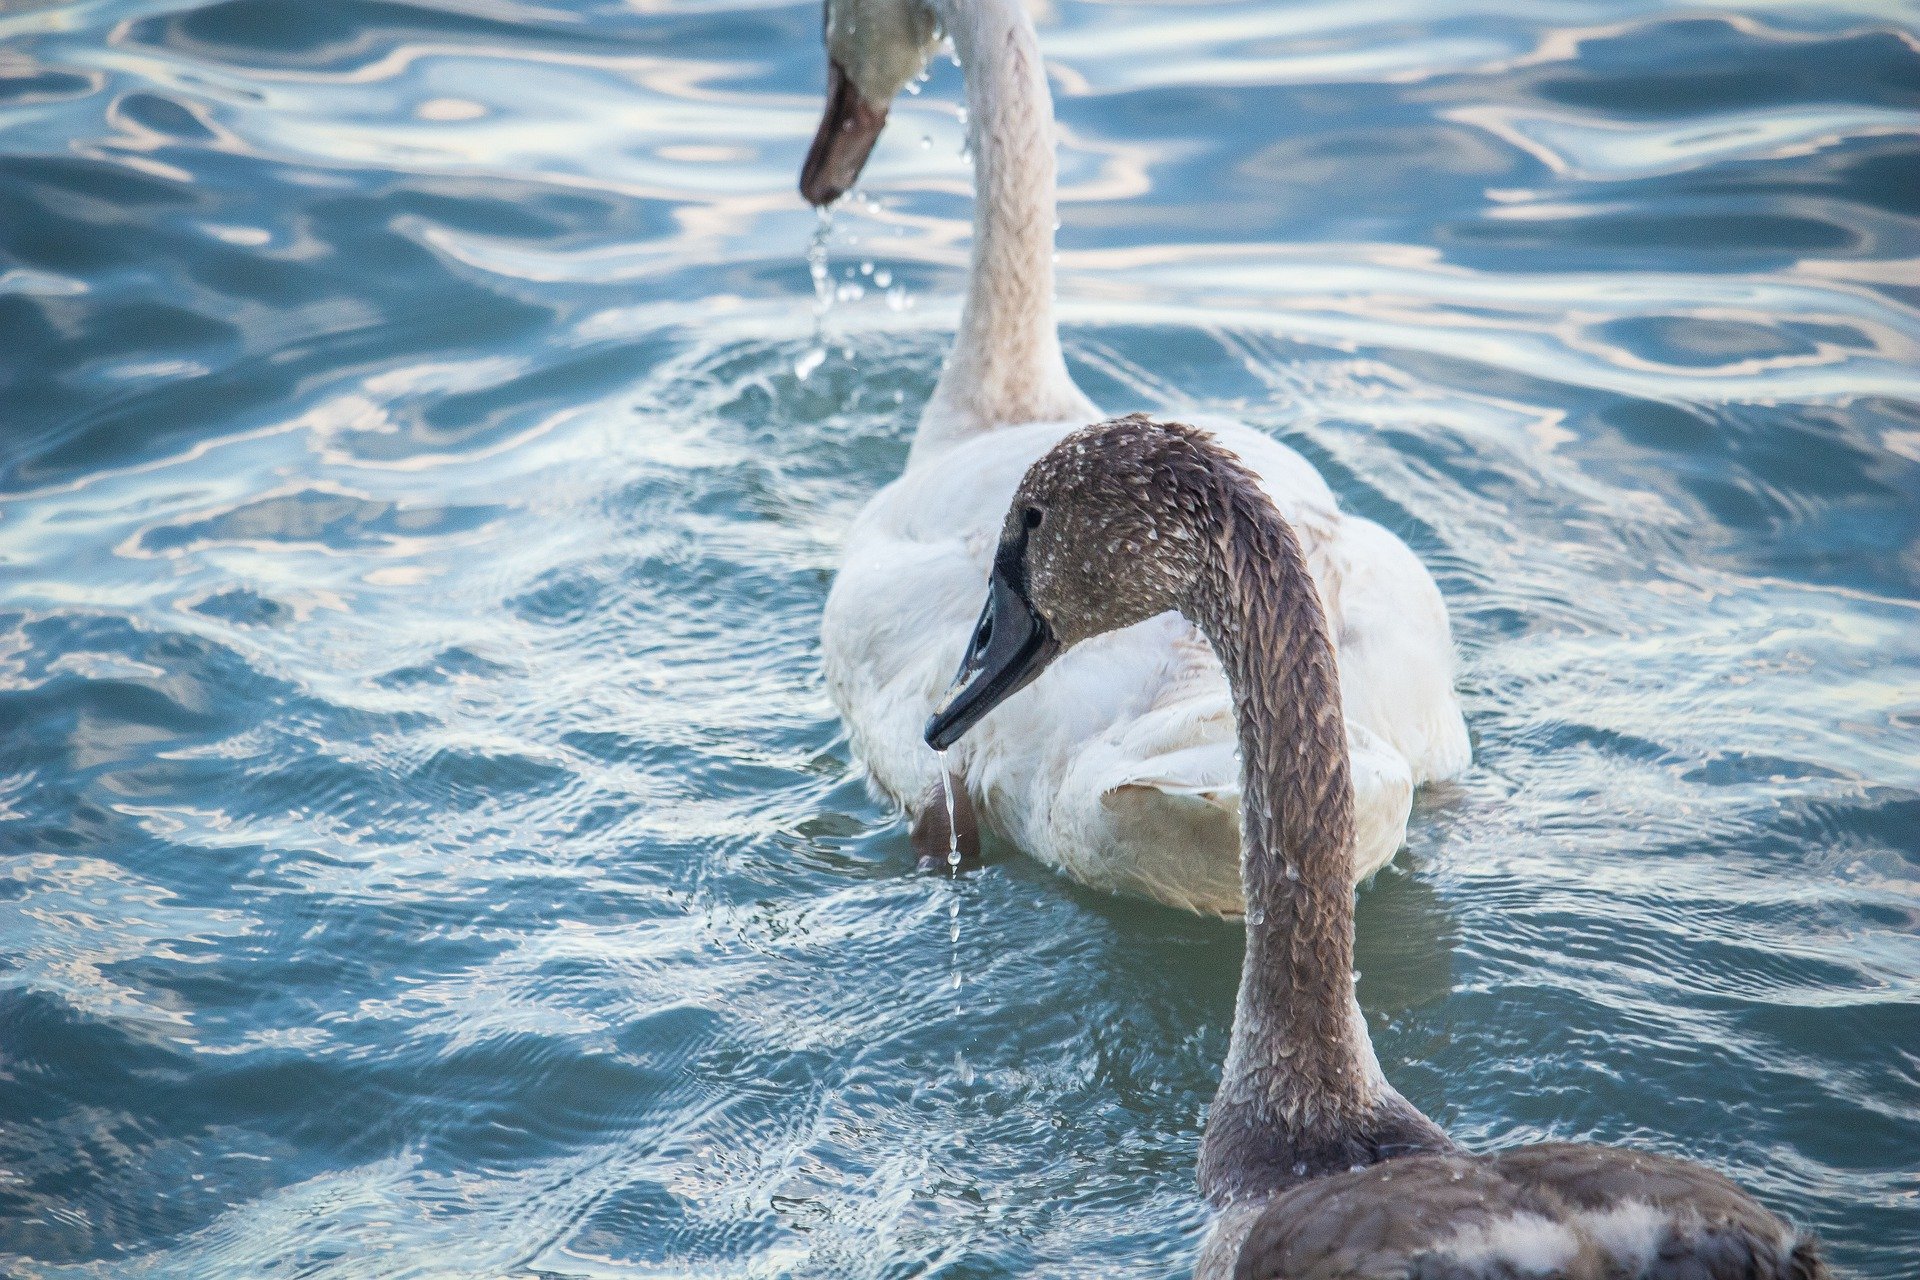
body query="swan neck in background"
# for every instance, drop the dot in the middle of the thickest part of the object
(1005, 367)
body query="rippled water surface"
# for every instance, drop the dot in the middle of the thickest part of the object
(428, 847)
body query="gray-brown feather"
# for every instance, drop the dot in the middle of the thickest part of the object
(1566, 1210)
(1318, 1168)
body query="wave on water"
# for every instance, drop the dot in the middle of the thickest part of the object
(426, 847)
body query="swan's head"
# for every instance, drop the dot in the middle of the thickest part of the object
(1109, 528)
(873, 48)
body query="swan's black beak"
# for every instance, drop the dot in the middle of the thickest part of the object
(1011, 645)
(847, 132)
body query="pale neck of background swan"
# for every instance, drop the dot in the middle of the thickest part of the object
(1300, 1072)
(1005, 366)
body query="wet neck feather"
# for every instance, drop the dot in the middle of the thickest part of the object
(1300, 1079)
(1006, 365)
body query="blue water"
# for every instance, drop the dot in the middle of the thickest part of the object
(428, 847)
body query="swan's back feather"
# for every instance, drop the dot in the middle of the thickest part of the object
(1563, 1210)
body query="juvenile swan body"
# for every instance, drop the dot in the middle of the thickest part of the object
(1119, 767)
(1315, 1166)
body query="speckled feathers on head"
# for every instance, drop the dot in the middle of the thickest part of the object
(1108, 528)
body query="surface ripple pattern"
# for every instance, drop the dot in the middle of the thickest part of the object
(426, 846)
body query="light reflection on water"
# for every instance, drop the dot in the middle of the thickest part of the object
(429, 847)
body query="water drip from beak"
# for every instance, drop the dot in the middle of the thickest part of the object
(953, 823)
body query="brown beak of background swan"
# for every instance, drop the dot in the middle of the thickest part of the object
(873, 48)
(848, 129)
(1317, 1168)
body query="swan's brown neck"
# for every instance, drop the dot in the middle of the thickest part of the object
(1301, 1089)
(1006, 365)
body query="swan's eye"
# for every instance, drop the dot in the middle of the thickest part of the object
(1033, 517)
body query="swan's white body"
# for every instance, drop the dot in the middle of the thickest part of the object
(1118, 765)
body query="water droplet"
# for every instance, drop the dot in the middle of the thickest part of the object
(1293, 872)
(1300, 1169)
(953, 823)
(806, 364)
(866, 268)
(947, 783)
(818, 269)
(897, 299)
(882, 278)
(926, 142)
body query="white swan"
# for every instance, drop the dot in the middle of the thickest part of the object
(1119, 767)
